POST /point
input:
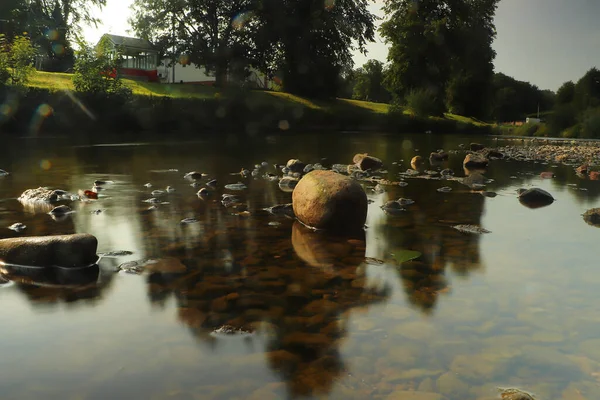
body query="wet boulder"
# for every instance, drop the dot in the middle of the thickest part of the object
(475, 160)
(476, 147)
(416, 162)
(437, 157)
(41, 195)
(366, 162)
(582, 170)
(330, 201)
(592, 217)
(67, 251)
(535, 197)
(295, 165)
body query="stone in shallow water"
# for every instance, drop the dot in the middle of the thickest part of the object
(470, 229)
(327, 200)
(62, 250)
(450, 385)
(592, 217)
(411, 395)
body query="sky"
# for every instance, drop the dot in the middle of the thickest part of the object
(545, 42)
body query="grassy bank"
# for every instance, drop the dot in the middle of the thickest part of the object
(50, 105)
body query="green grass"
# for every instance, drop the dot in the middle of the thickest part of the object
(61, 81)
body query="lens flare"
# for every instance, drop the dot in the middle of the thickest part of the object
(242, 19)
(284, 125)
(58, 49)
(45, 165)
(52, 34)
(45, 110)
(329, 4)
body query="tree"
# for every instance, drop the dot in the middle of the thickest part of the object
(565, 93)
(369, 83)
(54, 25)
(587, 90)
(13, 15)
(216, 34)
(443, 47)
(313, 40)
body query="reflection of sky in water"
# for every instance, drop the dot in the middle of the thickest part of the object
(516, 307)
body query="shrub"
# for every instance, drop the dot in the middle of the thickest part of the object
(571, 133)
(97, 73)
(16, 61)
(563, 117)
(590, 124)
(526, 130)
(423, 103)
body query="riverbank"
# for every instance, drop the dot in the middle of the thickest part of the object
(553, 150)
(51, 107)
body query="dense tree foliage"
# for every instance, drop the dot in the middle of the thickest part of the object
(565, 93)
(443, 47)
(514, 100)
(51, 25)
(309, 42)
(314, 40)
(16, 60)
(216, 34)
(368, 83)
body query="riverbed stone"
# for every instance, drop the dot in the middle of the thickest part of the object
(475, 160)
(295, 165)
(40, 194)
(330, 201)
(62, 250)
(416, 162)
(436, 157)
(450, 385)
(592, 217)
(476, 146)
(366, 162)
(535, 197)
(412, 395)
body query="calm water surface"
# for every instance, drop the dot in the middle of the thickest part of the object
(311, 316)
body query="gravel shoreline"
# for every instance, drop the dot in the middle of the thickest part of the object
(554, 151)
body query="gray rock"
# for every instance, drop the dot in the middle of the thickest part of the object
(41, 194)
(535, 197)
(295, 165)
(67, 251)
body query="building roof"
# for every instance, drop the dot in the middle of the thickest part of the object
(129, 42)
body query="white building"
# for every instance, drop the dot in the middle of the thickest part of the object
(190, 73)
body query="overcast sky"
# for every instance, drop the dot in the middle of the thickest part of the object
(545, 42)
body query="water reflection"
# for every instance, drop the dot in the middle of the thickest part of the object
(277, 305)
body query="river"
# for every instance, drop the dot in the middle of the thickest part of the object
(246, 305)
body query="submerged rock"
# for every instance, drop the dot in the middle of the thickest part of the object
(236, 186)
(515, 394)
(535, 197)
(366, 162)
(592, 217)
(287, 184)
(393, 207)
(62, 250)
(326, 200)
(282, 209)
(17, 227)
(470, 229)
(474, 180)
(3, 173)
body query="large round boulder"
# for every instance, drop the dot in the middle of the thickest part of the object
(330, 201)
